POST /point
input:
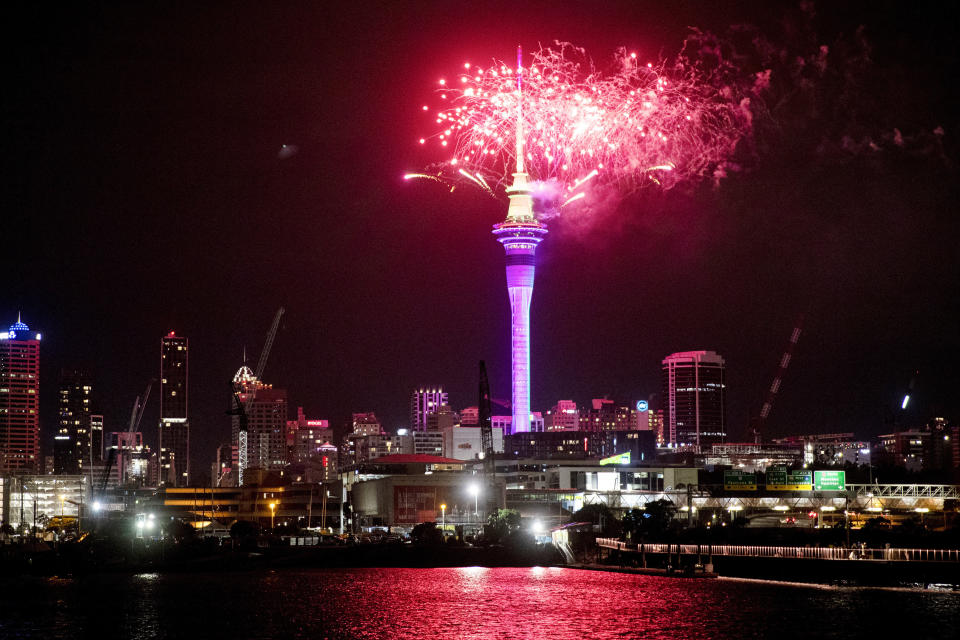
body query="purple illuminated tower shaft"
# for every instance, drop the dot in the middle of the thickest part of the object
(520, 234)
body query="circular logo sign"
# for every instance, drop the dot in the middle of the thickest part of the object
(642, 405)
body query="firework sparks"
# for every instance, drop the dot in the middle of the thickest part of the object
(569, 123)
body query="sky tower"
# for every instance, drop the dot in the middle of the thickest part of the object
(520, 234)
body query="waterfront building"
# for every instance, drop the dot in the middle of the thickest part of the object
(215, 508)
(575, 445)
(72, 445)
(35, 500)
(428, 443)
(424, 402)
(752, 457)
(174, 441)
(19, 399)
(694, 390)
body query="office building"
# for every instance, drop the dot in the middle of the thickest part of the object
(174, 441)
(96, 438)
(424, 402)
(19, 400)
(694, 391)
(72, 450)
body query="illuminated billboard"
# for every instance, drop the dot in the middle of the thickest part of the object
(620, 458)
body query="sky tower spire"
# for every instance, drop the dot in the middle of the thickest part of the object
(519, 109)
(520, 234)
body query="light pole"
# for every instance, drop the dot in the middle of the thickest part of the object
(273, 507)
(443, 518)
(475, 490)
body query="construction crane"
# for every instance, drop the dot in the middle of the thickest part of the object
(240, 404)
(135, 417)
(486, 440)
(760, 421)
(268, 343)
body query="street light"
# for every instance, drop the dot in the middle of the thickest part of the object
(475, 490)
(273, 507)
(443, 516)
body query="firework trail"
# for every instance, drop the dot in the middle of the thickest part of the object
(579, 127)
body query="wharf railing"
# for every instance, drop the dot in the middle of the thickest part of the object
(807, 553)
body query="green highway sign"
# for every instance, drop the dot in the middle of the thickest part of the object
(739, 481)
(779, 479)
(829, 480)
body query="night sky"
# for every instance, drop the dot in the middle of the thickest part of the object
(144, 190)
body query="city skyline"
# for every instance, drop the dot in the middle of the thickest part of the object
(208, 186)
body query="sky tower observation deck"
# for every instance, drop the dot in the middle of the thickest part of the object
(520, 234)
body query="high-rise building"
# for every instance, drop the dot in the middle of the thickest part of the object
(306, 437)
(444, 418)
(174, 442)
(19, 400)
(72, 444)
(263, 445)
(694, 392)
(96, 438)
(520, 234)
(424, 402)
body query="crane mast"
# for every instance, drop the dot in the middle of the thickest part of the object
(486, 439)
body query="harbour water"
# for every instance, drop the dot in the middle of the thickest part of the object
(473, 602)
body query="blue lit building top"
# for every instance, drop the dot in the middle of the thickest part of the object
(18, 331)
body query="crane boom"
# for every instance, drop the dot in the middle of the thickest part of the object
(268, 343)
(777, 379)
(136, 415)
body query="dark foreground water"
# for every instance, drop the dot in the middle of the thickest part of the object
(460, 603)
